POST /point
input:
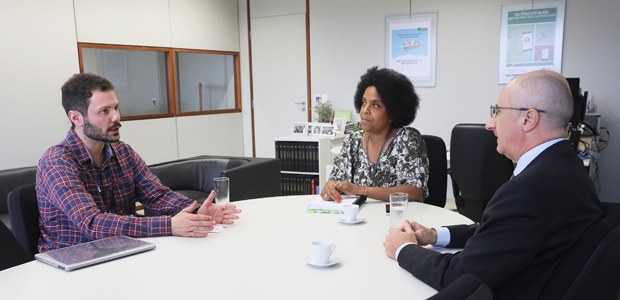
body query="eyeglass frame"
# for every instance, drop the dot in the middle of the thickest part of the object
(494, 109)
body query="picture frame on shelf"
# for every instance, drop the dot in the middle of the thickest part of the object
(339, 125)
(314, 128)
(327, 130)
(299, 128)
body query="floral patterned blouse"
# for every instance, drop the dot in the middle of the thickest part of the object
(404, 161)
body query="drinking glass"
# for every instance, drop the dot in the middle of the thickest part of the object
(222, 188)
(398, 208)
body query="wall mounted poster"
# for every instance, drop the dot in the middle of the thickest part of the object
(410, 46)
(530, 38)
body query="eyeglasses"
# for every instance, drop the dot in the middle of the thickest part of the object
(495, 109)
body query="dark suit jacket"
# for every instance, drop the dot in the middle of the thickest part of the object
(526, 228)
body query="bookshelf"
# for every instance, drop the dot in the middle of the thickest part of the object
(304, 161)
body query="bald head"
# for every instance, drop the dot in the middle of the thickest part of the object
(545, 90)
(532, 109)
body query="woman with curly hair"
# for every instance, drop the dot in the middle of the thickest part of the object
(386, 156)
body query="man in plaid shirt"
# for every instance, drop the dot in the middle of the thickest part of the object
(88, 184)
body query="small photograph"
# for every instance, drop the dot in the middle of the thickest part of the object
(339, 125)
(314, 129)
(299, 127)
(327, 130)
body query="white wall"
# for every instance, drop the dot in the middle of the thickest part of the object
(204, 24)
(591, 45)
(39, 53)
(135, 22)
(221, 134)
(347, 39)
(194, 24)
(155, 140)
(348, 36)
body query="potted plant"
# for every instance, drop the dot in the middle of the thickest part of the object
(323, 112)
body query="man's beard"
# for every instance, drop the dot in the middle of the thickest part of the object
(98, 134)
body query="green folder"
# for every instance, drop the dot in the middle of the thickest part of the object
(343, 114)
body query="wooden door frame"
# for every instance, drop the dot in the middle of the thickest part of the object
(308, 81)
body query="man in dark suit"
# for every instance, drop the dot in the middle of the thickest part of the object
(531, 220)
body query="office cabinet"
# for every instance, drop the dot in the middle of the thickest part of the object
(304, 161)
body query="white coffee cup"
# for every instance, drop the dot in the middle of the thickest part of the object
(322, 251)
(349, 212)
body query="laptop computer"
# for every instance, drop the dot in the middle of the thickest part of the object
(94, 252)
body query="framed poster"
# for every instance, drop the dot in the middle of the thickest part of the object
(530, 38)
(410, 46)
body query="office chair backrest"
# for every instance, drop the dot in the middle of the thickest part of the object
(476, 169)
(24, 215)
(438, 170)
(590, 269)
(11, 179)
(600, 277)
(11, 252)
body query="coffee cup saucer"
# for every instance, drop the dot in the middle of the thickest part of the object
(334, 260)
(358, 220)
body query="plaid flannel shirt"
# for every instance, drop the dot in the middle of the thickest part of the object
(79, 202)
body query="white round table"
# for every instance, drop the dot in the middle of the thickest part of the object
(262, 256)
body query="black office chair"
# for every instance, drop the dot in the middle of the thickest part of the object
(24, 215)
(600, 277)
(438, 170)
(11, 252)
(466, 287)
(9, 180)
(476, 169)
(590, 269)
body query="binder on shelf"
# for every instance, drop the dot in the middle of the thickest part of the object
(303, 160)
(315, 179)
(315, 158)
(298, 156)
(299, 184)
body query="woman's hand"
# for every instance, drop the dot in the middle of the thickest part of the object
(332, 190)
(349, 188)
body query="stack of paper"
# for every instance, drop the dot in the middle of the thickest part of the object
(321, 206)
